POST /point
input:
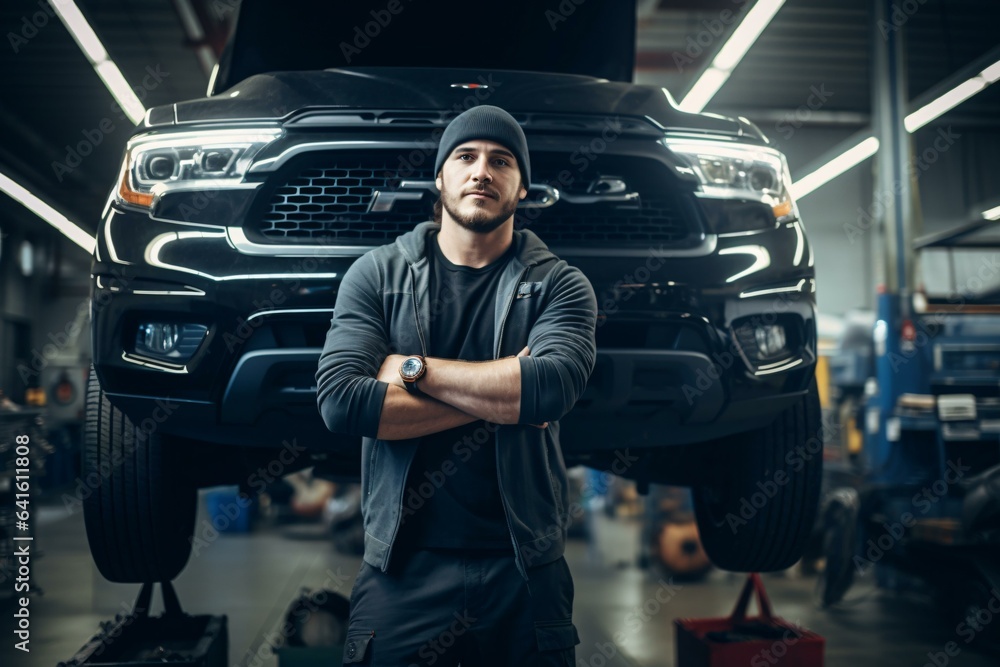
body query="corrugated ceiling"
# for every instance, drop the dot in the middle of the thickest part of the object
(52, 98)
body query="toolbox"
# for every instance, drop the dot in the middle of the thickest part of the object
(139, 640)
(738, 640)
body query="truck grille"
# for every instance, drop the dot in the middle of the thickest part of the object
(330, 205)
(328, 200)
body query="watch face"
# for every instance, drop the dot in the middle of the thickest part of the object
(411, 367)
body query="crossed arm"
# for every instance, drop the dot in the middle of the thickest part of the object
(453, 393)
(359, 391)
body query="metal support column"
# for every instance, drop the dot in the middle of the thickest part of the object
(893, 209)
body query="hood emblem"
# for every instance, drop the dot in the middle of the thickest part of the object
(603, 189)
(607, 185)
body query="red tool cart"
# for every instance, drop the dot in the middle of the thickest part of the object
(760, 641)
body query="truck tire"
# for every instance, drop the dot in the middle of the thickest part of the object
(756, 510)
(139, 510)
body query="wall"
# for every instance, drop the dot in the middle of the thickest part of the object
(38, 305)
(954, 184)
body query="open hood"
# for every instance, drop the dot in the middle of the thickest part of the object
(593, 38)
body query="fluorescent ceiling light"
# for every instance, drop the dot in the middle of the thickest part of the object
(952, 98)
(81, 31)
(991, 73)
(704, 89)
(730, 55)
(992, 214)
(106, 68)
(912, 123)
(69, 229)
(116, 83)
(835, 167)
(946, 102)
(192, 26)
(746, 33)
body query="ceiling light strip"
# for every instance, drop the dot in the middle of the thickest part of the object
(730, 55)
(87, 40)
(913, 122)
(835, 167)
(951, 99)
(195, 32)
(69, 229)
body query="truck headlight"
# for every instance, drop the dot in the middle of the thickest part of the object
(740, 174)
(215, 159)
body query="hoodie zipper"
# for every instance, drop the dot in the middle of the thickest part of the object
(510, 300)
(416, 311)
(503, 499)
(423, 350)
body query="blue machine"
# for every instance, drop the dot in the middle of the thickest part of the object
(915, 503)
(919, 506)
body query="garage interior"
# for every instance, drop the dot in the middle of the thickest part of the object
(890, 124)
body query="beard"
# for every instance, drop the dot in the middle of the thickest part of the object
(481, 220)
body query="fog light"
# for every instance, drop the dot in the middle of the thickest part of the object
(159, 338)
(169, 340)
(770, 339)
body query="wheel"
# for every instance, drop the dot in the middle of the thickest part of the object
(839, 528)
(138, 509)
(756, 506)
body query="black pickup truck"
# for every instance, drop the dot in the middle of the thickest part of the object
(234, 217)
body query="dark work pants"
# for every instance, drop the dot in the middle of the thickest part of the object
(446, 608)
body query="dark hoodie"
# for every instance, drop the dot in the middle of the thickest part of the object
(382, 308)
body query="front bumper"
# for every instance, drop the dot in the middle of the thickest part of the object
(672, 366)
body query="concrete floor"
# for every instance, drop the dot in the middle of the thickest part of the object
(251, 578)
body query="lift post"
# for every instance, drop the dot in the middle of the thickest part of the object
(896, 196)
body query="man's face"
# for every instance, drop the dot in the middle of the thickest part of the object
(480, 185)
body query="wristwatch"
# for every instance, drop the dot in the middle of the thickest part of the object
(411, 370)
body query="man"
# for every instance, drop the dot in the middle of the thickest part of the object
(454, 352)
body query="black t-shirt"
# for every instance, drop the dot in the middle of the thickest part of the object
(452, 496)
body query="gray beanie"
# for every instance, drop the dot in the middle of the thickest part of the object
(489, 123)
